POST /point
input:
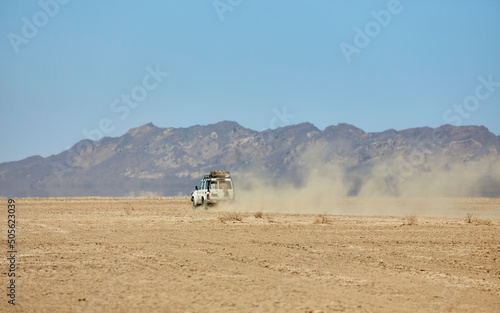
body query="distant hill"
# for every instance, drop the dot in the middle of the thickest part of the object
(149, 160)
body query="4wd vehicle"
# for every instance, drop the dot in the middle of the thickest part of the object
(213, 188)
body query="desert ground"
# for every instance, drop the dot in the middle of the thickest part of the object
(159, 255)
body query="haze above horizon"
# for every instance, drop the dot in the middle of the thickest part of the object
(72, 70)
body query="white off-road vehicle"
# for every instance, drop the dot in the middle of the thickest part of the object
(213, 188)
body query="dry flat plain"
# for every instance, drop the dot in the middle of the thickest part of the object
(160, 255)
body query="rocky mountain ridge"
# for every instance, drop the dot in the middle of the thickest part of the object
(149, 160)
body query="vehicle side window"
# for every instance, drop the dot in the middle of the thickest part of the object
(206, 184)
(201, 184)
(213, 185)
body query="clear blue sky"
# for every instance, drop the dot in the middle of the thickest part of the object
(374, 64)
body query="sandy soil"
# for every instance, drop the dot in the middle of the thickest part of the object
(160, 255)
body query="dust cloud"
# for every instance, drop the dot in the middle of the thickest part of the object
(434, 188)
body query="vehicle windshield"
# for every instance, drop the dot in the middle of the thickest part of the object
(221, 184)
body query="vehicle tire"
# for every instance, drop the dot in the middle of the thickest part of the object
(203, 203)
(194, 204)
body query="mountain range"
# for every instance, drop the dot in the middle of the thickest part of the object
(149, 160)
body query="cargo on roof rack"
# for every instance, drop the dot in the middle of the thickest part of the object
(220, 173)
